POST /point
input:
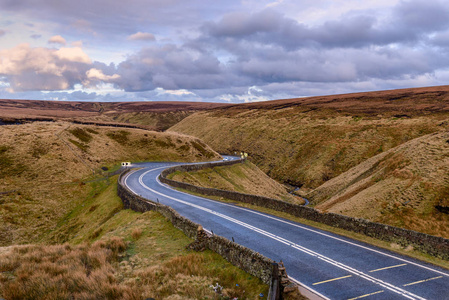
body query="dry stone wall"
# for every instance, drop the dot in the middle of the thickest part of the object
(248, 260)
(432, 245)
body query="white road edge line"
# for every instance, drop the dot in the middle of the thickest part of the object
(287, 222)
(309, 229)
(308, 288)
(386, 285)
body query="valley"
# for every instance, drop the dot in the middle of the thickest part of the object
(380, 156)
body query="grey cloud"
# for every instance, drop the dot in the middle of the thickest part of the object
(275, 54)
(142, 36)
(407, 22)
(422, 15)
(240, 24)
(170, 67)
(2, 32)
(441, 39)
(117, 18)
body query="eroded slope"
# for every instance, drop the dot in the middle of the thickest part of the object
(402, 187)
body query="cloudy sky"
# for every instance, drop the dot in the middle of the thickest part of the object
(221, 51)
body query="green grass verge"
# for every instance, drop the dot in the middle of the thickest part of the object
(153, 243)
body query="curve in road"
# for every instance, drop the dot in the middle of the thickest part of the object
(329, 265)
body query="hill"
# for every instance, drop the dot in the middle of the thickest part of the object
(152, 115)
(309, 141)
(401, 187)
(44, 168)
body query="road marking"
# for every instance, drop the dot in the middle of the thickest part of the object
(383, 284)
(308, 229)
(366, 295)
(325, 281)
(422, 281)
(295, 225)
(386, 268)
(308, 288)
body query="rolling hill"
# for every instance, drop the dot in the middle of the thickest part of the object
(44, 167)
(148, 115)
(314, 143)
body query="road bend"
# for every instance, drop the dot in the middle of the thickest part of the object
(328, 265)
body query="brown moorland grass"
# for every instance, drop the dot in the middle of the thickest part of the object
(155, 115)
(307, 142)
(63, 271)
(400, 187)
(81, 217)
(305, 148)
(46, 169)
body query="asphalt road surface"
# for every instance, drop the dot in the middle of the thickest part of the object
(329, 265)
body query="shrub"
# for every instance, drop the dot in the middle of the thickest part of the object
(81, 134)
(137, 233)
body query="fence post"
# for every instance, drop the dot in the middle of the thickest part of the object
(275, 292)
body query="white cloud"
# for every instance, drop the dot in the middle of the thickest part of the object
(181, 92)
(43, 69)
(142, 36)
(57, 39)
(75, 54)
(78, 44)
(95, 74)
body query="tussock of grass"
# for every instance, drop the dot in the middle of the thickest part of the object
(63, 272)
(137, 233)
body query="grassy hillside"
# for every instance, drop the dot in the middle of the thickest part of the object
(401, 187)
(83, 244)
(379, 155)
(159, 120)
(44, 168)
(311, 140)
(305, 148)
(111, 253)
(243, 178)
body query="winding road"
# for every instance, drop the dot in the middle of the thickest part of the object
(328, 265)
